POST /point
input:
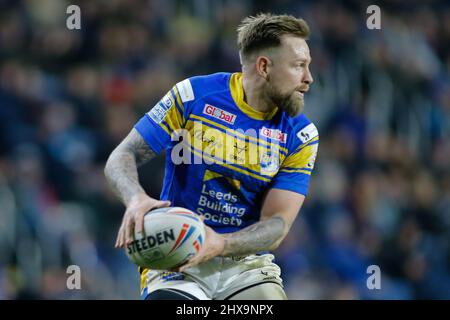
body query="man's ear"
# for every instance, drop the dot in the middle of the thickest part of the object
(263, 65)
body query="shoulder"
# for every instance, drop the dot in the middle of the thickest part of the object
(302, 130)
(198, 86)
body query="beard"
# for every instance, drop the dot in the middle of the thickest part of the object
(291, 103)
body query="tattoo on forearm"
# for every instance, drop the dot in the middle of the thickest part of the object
(139, 148)
(121, 167)
(260, 236)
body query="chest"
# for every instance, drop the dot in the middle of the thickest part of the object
(250, 153)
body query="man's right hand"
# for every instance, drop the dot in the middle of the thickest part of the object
(138, 206)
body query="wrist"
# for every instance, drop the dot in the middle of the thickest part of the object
(137, 198)
(216, 242)
(224, 245)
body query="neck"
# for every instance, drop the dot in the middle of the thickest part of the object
(254, 94)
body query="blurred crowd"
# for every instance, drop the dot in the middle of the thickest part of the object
(380, 193)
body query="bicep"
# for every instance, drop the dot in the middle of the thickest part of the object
(282, 203)
(135, 144)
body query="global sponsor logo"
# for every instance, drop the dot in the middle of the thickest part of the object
(220, 114)
(274, 134)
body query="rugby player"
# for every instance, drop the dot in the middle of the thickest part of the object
(239, 152)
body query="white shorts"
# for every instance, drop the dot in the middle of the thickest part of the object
(217, 279)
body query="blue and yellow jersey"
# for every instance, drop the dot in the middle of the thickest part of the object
(222, 155)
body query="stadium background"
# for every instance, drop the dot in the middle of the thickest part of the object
(381, 100)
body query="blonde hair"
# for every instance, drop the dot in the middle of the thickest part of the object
(265, 30)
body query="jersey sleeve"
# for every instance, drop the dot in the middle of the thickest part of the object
(166, 117)
(296, 169)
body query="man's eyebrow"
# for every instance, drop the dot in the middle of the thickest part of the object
(303, 59)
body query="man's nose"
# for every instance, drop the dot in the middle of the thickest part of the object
(308, 78)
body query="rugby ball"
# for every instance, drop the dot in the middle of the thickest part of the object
(172, 236)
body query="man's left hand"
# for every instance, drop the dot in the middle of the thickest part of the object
(212, 247)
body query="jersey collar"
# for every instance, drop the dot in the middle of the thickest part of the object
(237, 92)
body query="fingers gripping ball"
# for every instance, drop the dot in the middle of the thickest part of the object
(172, 236)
